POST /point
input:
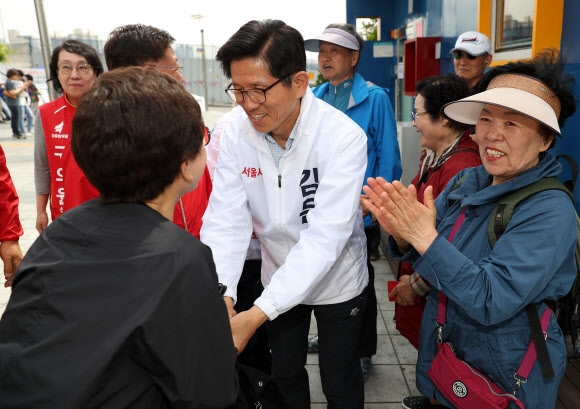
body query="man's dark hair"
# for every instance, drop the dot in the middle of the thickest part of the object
(440, 90)
(132, 131)
(75, 47)
(28, 76)
(278, 44)
(136, 44)
(547, 66)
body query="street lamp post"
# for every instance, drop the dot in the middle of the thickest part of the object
(203, 61)
(204, 70)
(45, 44)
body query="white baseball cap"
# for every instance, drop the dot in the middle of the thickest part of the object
(334, 36)
(517, 92)
(473, 42)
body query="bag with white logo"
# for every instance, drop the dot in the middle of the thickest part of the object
(463, 385)
(466, 387)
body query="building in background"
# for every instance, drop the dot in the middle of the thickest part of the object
(27, 56)
(414, 38)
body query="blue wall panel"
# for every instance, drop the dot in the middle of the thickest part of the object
(377, 70)
(570, 141)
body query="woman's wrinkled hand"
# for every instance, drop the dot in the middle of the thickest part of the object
(398, 211)
(406, 295)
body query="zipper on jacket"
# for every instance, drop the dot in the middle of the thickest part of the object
(279, 180)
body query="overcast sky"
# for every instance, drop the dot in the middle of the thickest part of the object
(222, 17)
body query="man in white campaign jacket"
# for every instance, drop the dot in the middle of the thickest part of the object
(291, 172)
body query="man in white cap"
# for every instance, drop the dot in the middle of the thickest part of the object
(471, 56)
(339, 49)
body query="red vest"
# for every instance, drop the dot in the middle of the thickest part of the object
(194, 205)
(68, 184)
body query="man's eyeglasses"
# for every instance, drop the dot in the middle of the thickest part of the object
(177, 68)
(206, 135)
(457, 54)
(82, 69)
(415, 114)
(256, 95)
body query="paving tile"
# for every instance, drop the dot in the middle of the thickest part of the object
(385, 352)
(386, 383)
(409, 373)
(381, 325)
(406, 353)
(316, 394)
(388, 316)
(383, 300)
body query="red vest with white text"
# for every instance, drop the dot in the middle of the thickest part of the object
(69, 186)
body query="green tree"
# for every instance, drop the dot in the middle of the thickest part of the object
(319, 79)
(5, 51)
(370, 29)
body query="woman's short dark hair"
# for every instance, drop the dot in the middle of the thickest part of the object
(136, 44)
(132, 131)
(75, 47)
(547, 66)
(438, 91)
(275, 42)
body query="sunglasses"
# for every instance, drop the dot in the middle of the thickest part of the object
(458, 53)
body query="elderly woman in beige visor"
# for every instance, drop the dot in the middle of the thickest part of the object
(485, 294)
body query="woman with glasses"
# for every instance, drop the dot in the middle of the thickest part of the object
(74, 68)
(471, 56)
(449, 149)
(486, 299)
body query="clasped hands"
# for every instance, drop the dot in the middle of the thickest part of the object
(398, 211)
(244, 324)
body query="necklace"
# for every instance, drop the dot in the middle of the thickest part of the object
(67, 100)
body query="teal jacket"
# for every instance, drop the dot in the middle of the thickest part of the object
(370, 108)
(488, 289)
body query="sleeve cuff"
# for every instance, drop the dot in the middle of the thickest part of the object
(420, 286)
(267, 308)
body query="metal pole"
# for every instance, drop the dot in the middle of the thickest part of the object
(2, 24)
(204, 70)
(44, 44)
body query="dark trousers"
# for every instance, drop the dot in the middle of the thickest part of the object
(368, 334)
(257, 352)
(373, 234)
(368, 340)
(339, 327)
(15, 112)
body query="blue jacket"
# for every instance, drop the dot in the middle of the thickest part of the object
(370, 108)
(488, 290)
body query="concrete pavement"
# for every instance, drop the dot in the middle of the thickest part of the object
(392, 375)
